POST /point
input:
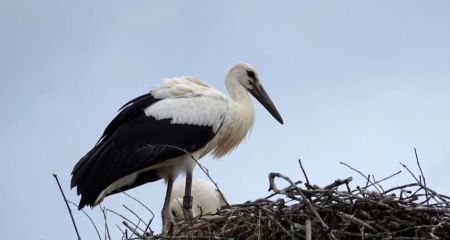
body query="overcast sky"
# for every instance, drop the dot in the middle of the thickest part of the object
(355, 81)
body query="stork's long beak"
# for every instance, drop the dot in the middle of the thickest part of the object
(261, 95)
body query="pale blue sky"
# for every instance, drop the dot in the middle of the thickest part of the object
(355, 81)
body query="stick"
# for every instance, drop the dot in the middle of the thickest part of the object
(151, 212)
(308, 229)
(423, 176)
(133, 230)
(90, 219)
(356, 220)
(412, 174)
(132, 212)
(367, 178)
(103, 209)
(268, 214)
(305, 199)
(338, 182)
(135, 199)
(68, 207)
(124, 218)
(379, 181)
(123, 233)
(303, 170)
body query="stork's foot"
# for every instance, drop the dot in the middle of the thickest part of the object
(167, 222)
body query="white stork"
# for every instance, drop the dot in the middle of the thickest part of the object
(206, 198)
(155, 135)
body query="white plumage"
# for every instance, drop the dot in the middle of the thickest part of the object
(155, 135)
(207, 199)
(188, 101)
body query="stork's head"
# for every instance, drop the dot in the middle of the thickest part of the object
(247, 77)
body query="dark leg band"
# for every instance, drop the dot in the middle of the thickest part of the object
(187, 202)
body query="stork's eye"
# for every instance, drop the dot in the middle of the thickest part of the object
(251, 74)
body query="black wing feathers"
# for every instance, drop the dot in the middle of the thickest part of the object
(132, 142)
(128, 111)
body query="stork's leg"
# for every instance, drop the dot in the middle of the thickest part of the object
(187, 199)
(165, 213)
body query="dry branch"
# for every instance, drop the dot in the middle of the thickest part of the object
(68, 207)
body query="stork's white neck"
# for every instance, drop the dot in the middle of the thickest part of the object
(239, 120)
(237, 92)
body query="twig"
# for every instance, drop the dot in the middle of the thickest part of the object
(423, 176)
(356, 220)
(90, 219)
(303, 170)
(132, 212)
(382, 180)
(124, 218)
(305, 199)
(269, 215)
(412, 174)
(400, 187)
(338, 182)
(360, 173)
(103, 209)
(135, 199)
(123, 233)
(68, 207)
(140, 236)
(434, 194)
(151, 212)
(228, 220)
(375, 182)
(308, 229)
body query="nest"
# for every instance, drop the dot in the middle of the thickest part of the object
(336, 211)
(307, 211)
